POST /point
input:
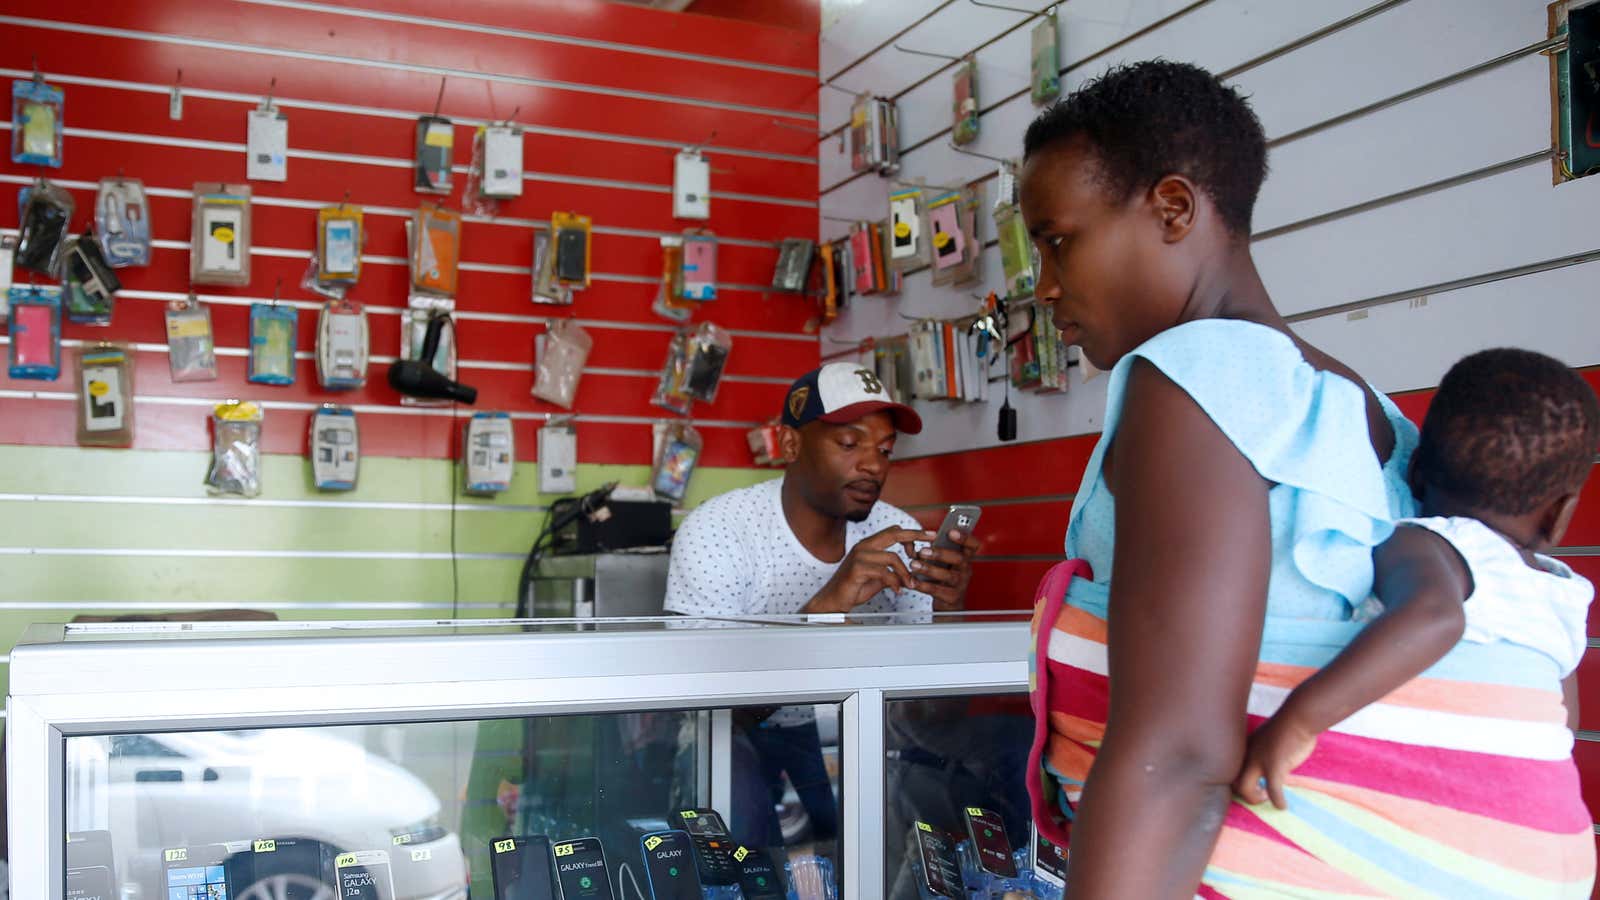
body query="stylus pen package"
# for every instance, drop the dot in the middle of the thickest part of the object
(235, 449)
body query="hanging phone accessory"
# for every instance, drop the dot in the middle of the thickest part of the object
(708, 357)
(267, 141)
(35, 333)
(340, 237)
(105, 396)
(907, 225)
(794, 265)
(699, 265)
(44, 211)
(235, 449)
(675, 463)
(335, 448)
(669, 303)
(691, 185)
(947, 238)
(547, 290)
(191, 348)
(435, 250)
(8, 256)
(37, 133)
(273, 336)
(122, 222)
(1046, 66)
(436, 138)
(342, 345)
(490, 453)
(413, 341)
(670, 391)
(89, 282)
(573, 245)
(964, 129)
(496, 170)
(561, 353)
(219, 248)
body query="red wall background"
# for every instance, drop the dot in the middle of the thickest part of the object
(608, 93)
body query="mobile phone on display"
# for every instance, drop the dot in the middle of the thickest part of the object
(522, 868)
(1049, 861)
(198, 873)
(713, 846)
(988, 835)
(288, 869)
(758, 877)
(669, 866)
(89, 864)
(941, 868)
(581, 870)
(364, 875)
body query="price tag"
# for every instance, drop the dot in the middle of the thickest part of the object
(505, 846)
(269, 846)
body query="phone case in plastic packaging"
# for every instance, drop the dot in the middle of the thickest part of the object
(335, 443)
(561, 353)
(496, 170)
(964, 130)
(572, 241)
(669, 303)
(122, 222)
(44, 211)
(413, 330)
(191, 347)
(675, 463)
(490, 453)
(105, 396)
(436, 140)
(436, 250)
(669, 393)
(1046, 68)
(342, 345)
(546, 289)
(708, 356)
(339, 242)
(36, 123)
(794, 265)
(90, 284)
(35, 333)
(219, 248)
(273, 335)
(235, 449)
(699, 265)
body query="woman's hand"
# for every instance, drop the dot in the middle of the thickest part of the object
(1277, 748)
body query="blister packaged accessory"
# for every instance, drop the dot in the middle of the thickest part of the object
(44, 211)
(561, 353)
(35, 333)
(267, 144)
(8, 255)
(191, 349)
(339, 240)
(948, 239)
(794, 265)
(964, 129)
(699, 265)
(1016, 251)
(332, 290)
(1046, 68)
(573, 245)
(413, 331)
(436, 250)
(490, 453)
(219, 249)
(105, 396)
(497, 161)
(908, 243)
(669, 393)
(691, 185)
(546, 289)
(272, 343)
(235, 449)
(669, 303)
(765, 449)
(342, 345)
(675, 463)
(436, 139)
(89, 282)
(36, 123)
(335, 443)
(708, 356)
(959, 258)
(122, 222)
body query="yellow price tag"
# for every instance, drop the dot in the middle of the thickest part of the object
(974, 812)
(177, 855)
(269, 846)
(652, 842)
(402, 839)
(565, 849)
(740, 854)
(505, 846)
(421, 854)
(690, 814)
(924, 826)
(345, 859)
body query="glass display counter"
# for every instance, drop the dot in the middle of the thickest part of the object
(625, 759)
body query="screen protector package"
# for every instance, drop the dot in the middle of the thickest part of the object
(436, 139)
(342, 345)
(235, 449)
(670, 393)
(272, 342)
(36, 129)
(105, 396)
(89, 282)
(339, 242)
(573, 244)
(699, 265)
(546, 289)
(708, 356)
(560, 355)
(1046, 66)
(122, 222)
(219, 248)
(679, 453)
(191, 348)
(964, 128)
(44, 211)
(35, 333)
(435, 250)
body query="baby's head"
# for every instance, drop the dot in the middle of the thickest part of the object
(1510, 437)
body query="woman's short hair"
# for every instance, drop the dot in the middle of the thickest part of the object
(1151, 119)
(1507, 431)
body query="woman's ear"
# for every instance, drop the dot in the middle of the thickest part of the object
(1556, 517)
(789, 443)
(1177, 206)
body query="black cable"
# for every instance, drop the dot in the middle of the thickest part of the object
(455, 483)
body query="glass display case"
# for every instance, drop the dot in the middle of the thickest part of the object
(502, 760)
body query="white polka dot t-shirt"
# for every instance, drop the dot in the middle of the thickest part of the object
(736, 555)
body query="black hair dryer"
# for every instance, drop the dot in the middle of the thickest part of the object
(418, 377)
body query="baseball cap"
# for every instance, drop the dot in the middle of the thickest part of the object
(844, 392)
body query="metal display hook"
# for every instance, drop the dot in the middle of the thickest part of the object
(966, 152)
(793, 127)
(1027, 12)
(926, 53)
(438, 102)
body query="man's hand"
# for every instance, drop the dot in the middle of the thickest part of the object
(870, 567)
(1275, 750)
(944, 574)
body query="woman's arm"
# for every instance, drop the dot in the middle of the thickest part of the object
(1188, 599)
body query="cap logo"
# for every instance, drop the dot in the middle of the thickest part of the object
(869, 381)
(797, 401)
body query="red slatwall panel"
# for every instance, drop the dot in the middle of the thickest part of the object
(660, 77)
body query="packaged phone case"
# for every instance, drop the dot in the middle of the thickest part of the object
(36, 123)
(675, 463)
(546, 289)
(339, 242)
(266, 143)
(191, 349)
(342, 345)
(1046, 68)
(219, 248)
(87, 283)
(496, 170)
(436, 250)
(413, 332)
(794, 265)
(272, 343)
(561, 353)
(122, 222)
(670, 393)
(436, 139)
(691, 185)
(708, 356)
(35, 333)
(44, 211)
(572, 240)
(699, 265)
(105, 396)
(964, 129)
(335, 443)
(669, 303)
(235, 449)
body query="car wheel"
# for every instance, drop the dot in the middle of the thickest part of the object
(283, 887)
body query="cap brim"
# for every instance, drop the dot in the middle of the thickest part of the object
(906, 420)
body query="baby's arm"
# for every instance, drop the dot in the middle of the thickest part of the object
(1423, 583)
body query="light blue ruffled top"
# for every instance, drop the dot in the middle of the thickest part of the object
(1302, 429)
